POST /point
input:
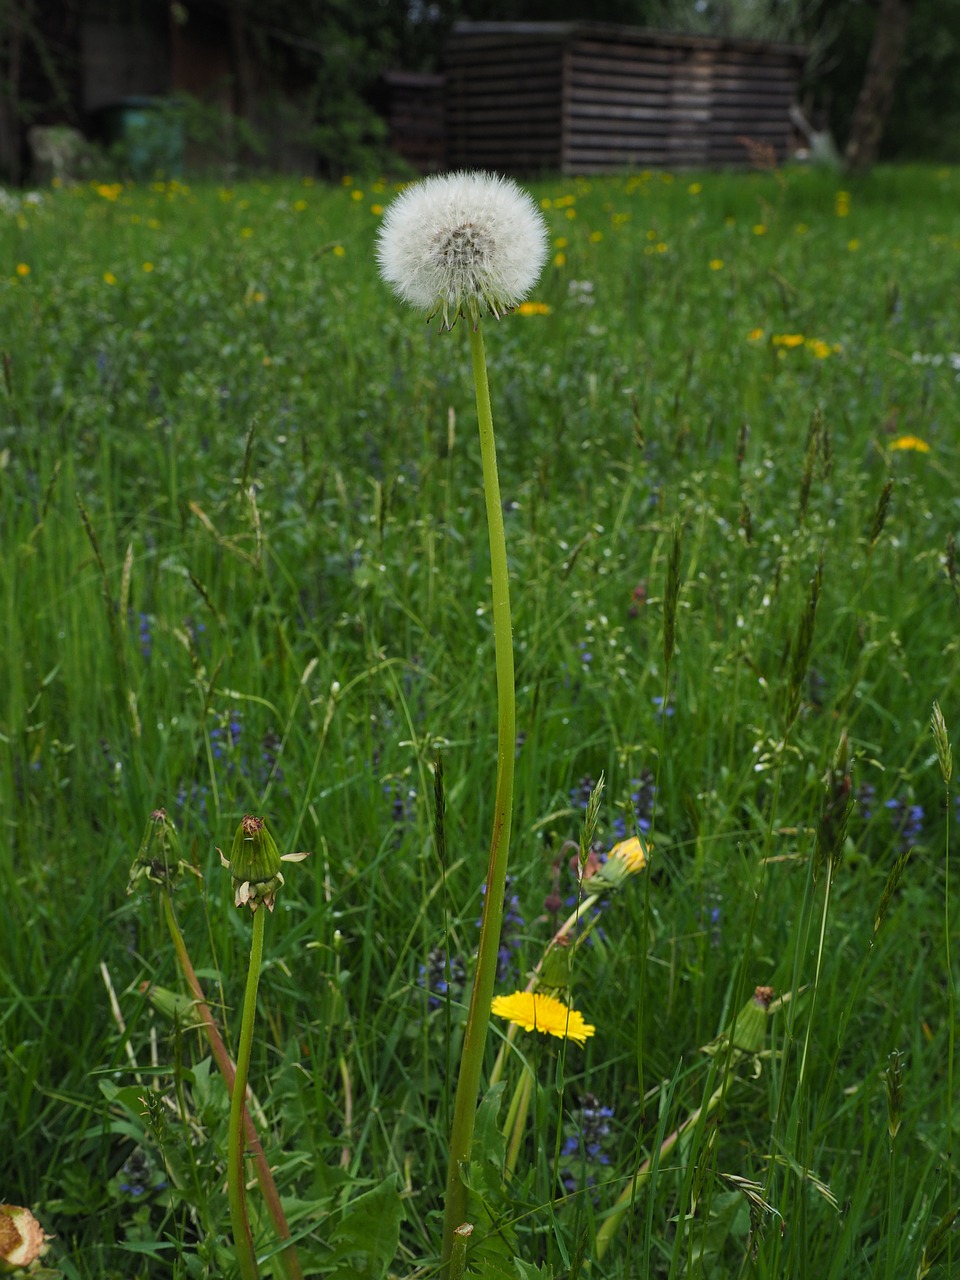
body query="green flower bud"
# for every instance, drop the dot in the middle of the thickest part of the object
(159, 859)
(254, 864)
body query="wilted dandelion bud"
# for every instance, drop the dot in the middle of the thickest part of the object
(22, 1239)
(159, 859)
(254, 864)
(462, 243)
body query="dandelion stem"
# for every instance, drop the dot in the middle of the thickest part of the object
(236, 1190)
(288, 1256)
(478, 1018)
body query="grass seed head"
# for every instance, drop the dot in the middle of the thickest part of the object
(942, 741)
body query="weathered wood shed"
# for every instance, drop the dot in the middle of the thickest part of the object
(587, 97)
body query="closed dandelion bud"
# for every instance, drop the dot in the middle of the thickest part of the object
(159, 859)
(22, 1239)
(254, 864)
(750, 1029)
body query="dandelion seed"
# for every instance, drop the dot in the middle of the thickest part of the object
(536, 1011)
(462, 243)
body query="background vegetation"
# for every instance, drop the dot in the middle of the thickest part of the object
(243, 571)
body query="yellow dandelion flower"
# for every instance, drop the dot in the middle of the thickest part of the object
(853, 245)
(652, 235)
(339, 251)
(571, 213)
(912, 443)
(819, 348)
(534, 309)
(754, 335)
(716, 264)
(629, 853)
(109, 277)
(662, 247)
(842, 204)
(596, 237)
(695, 188)
(561, 242)
(559, 259)
(246, 233)
(759, 229)
(546, 203)
(536, 1011)
(787, 339)
(376, 209)
(356, 195)
(299, 206)
(148, 267)
(23, 269)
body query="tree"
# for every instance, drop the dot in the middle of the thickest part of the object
(879, 82)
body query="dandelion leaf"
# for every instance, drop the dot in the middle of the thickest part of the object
(364, 1240)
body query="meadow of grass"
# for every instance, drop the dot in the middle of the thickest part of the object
(244, 569)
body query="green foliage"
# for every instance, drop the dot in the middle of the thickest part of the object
(272, 598)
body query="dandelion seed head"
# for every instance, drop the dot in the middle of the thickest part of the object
(462, 243)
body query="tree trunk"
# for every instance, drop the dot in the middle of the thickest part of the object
(879, 82)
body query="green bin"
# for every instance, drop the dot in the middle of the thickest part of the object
(150, 130)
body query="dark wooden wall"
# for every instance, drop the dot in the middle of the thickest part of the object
(590, 98)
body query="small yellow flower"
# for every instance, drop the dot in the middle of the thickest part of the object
(596, 237)
(801, 229)
(109, 277)
(571, 213)
(787, 339)
(148, 267)
(559, 259)
(376, 209)
(819, 348)
(662, 247)
(912, 443)
(546, 203)
(299, 206)
(23, 269)
(853, 245)
(716, 264)
(759, 229)
(339, 251)
(754, 335)
(561, 242)
(695, 188)
(356, 195)
(842, 204)
(535, 1011)
(246, 233)
(534, 309)
(346, 180)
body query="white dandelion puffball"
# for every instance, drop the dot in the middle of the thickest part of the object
(462, 243)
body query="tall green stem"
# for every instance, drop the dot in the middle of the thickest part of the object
(288, 1257)
(478, 1018)
(236, 1191)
